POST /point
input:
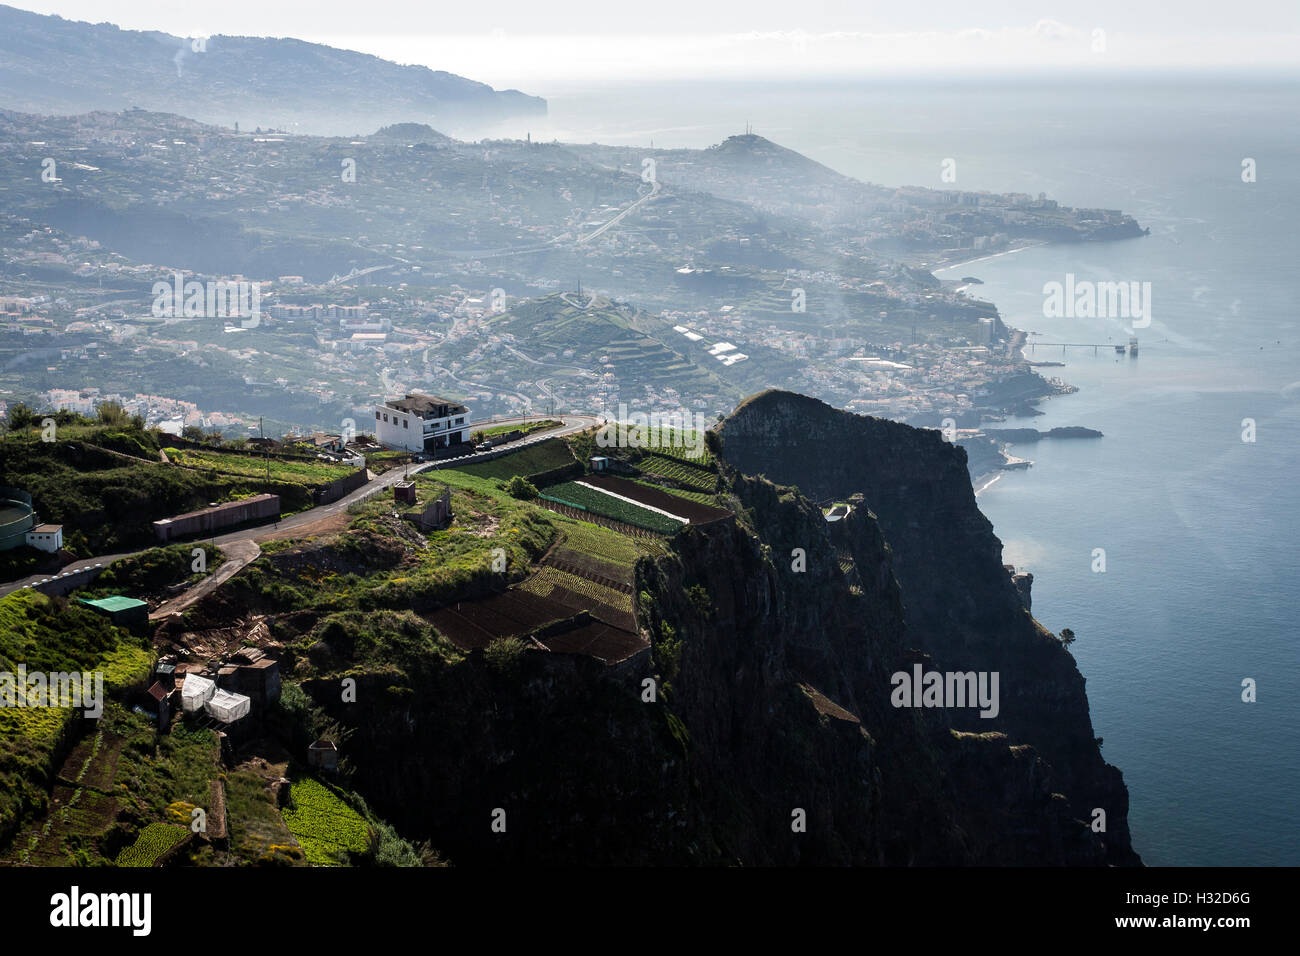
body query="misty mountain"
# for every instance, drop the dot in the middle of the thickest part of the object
(52, 65)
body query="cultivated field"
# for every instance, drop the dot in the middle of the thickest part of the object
(326, 828)
(611, 604)
(590, 499)
(472, 624)
(304, 472)
(694, 511)
(694, 477)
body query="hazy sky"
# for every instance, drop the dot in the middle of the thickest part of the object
(540, 46)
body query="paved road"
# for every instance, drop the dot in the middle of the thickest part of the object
(654, 191)
(231, 542)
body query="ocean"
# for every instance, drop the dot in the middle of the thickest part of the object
(1198, 527)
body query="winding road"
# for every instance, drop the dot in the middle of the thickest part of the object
(243, 546)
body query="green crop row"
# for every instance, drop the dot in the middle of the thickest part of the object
(153, 841)
(325, 826)
(597, 502)
(605, 544)
(547, 579)
(674, 469)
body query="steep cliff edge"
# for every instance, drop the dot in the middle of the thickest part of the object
(959, 605)
(771, 738)
(760, 728)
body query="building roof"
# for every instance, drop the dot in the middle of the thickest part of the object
(47, 528)
(158, 692)
(430, 406)
(118, 602)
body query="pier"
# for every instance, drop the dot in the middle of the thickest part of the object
(1119, 348)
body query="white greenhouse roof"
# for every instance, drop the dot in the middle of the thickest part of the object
(195, 692)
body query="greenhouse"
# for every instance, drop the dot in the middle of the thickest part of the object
(227, 707)
(195, 692)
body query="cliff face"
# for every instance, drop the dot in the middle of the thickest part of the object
(959, 605)
(782, 678)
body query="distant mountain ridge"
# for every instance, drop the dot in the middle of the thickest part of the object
(52, 65)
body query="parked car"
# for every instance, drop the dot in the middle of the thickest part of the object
(483, 446)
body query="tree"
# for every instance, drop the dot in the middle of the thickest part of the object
(112, 413)
(192, 433)
(1067, 636)
(21, 417)
(475, 437)
(521, 487)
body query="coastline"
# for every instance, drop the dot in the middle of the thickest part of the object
(945, 266)
(1017, 342)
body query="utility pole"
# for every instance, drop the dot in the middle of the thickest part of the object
(266, 452)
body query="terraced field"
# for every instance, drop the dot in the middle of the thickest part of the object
(699, 497)
(475, 624)
(685, 447)
(326, 828)
(594, 542)
(608, 336)
(653, 496)
(81, 807)
(153, 842)
(304, 472)
(695, 477)
(580, 496)
(601, 641)
(612, 605)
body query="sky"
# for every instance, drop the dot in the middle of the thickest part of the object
(545, 47)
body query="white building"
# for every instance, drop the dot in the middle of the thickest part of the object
(46, 537)
(361, 341)
(421, 423)
(376, 324)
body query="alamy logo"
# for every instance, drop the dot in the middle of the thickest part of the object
(206, 300)
(1098, 300)
(680, 429)
(80, 691)
(73, 909)
(946, 689)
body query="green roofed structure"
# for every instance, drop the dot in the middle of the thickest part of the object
(123, 611)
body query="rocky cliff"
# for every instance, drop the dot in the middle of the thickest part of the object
(959, 605)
